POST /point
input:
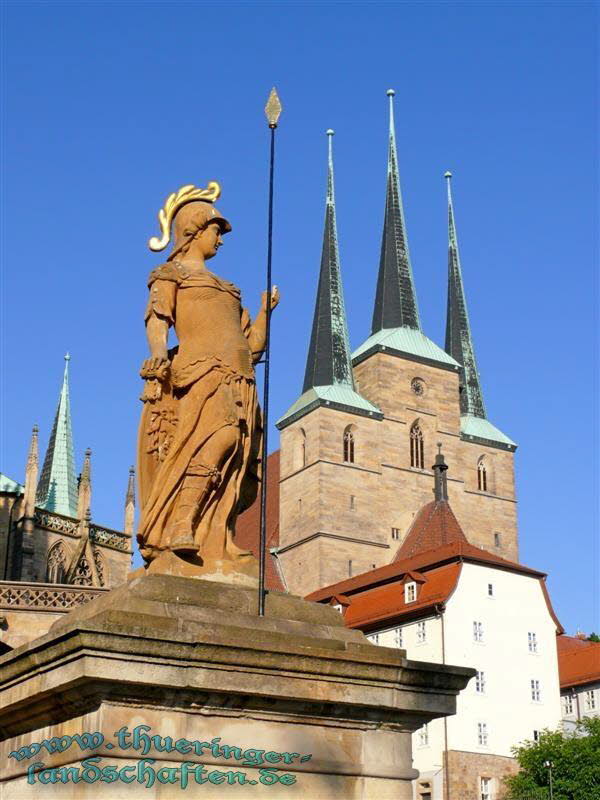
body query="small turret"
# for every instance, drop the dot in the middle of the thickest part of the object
(31, 476)
(84, 490)
(130, 503)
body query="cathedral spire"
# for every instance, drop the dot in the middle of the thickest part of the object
(396, 299)
(328, 360)
(57, 489)
(328, 379)
(459, 343)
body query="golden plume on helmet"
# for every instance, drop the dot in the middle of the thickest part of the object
(176, 200)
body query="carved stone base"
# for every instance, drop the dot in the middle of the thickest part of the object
(242, 572)
(305, 706)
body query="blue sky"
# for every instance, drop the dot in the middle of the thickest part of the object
(109, 106)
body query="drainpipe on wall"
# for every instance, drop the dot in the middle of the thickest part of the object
(439, 610)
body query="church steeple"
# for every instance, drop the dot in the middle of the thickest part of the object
(328, 379)
(57, 489)
(328, 359)
(396, 299)
(459, 343)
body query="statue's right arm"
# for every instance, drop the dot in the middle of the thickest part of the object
(157, 331)
(159, 316)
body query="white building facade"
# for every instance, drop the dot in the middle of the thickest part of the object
(445, 601)
(497, 622)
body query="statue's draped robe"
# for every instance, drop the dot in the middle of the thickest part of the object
(210, 386)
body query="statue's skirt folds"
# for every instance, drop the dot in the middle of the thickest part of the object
(209, 431)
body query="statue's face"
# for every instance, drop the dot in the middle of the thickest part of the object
(210, 240)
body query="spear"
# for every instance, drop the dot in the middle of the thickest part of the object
(272, 111)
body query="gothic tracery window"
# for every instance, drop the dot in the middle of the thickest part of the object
(56, 564)
(349, 445)
(83, 574)
(482, 482)
(417, 457)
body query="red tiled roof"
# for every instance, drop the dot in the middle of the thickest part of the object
(435, 525)
(386, 603)
(455, 551)
(578, 661)
(440, 582)
(247, 530)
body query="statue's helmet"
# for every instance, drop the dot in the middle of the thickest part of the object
(185, 214)
(191, 219)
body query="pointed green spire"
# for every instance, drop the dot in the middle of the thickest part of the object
(328, 379)
(459, 343)
(328, 359)
(396, 299)
(57, 489)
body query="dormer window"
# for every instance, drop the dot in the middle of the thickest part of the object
(410, 592)
(337, 607)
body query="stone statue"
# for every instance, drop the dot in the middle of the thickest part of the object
(200, 431)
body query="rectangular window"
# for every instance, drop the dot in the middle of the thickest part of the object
(590, 700)
(568, 703)
(395, 533)
(486, 789)
(482, 734)
(497, 540)
(410, 592)
(532, 642)
(398, 637)
(490, 589)
(478, 632)
(535, 690)
(421, 633)
(352, 502)
(536, 736)
(350, 568)
(480, 683)
(423, 736)
(373, 638)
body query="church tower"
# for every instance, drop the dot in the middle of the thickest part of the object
(357, 446)
(329, 438)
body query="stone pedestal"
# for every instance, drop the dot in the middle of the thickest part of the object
(182, 682)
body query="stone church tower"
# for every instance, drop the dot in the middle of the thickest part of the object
(358, 445)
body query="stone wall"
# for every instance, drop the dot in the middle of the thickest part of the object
(465, 771)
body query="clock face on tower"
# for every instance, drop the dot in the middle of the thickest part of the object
(417, 386)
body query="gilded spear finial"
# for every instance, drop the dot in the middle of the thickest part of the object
(273, 108)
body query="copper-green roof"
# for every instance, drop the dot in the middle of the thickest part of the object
(8, 485)
(407, 342)
(338, 396)
(481, 430)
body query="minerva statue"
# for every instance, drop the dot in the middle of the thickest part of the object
(200, 432)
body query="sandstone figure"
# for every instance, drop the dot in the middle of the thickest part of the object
(200, 430)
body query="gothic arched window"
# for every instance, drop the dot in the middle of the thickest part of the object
(56, 565)
(349, 445)
(417, 457)
(482, 481)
